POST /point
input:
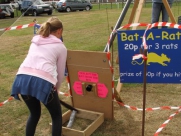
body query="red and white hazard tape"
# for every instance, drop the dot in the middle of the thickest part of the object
(149, 109)
(166, 122)
(68, 81)
(17, 27)
(172, 25)
(157, 108)
(120, 103)
(112, 71)
(138, 56)
(11, 98)
(132, 108)
(149, 26)
(2, 103)
(123, 27)
(64, 94)
(133, 25)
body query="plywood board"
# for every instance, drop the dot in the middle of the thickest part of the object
(96, 63)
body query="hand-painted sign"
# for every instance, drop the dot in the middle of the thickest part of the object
(83, 76)
(77, 86)
(88, 76)
(164, 53)
(102, 90)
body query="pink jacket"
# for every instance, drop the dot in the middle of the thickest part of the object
(46, 59)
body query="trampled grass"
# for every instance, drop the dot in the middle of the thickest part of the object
(87, 31)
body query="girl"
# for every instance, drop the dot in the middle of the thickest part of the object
(40, 73)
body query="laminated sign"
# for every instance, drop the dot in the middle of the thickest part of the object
(163, 57)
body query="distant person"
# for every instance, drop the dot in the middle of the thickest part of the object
(158, 8)
(40, 74)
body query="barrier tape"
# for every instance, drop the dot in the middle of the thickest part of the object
(166, 122)
(149, 109)
(133, 25)
(2, 103)
(11, 98)
(138, 56)
(120, 103)
(68, 85)
(122, 27)
(149, 26)
(132, 108)
(112, 71)
(17, 27)
(172, 25)
(64, 94)
(157, 108)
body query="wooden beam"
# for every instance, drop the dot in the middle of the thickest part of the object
(96, 117)
(138, 13)
(136, 2)
(169, 11)
(137, 8)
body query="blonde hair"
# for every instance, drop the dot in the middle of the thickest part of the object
(51, 25)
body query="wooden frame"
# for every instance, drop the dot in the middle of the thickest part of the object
(96, 117)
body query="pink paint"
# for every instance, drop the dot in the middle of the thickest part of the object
(88, 76)
(102, 90)
(78, 87)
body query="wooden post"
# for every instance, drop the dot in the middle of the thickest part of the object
(136, 2)
(138, 13)
(170, 14)
(138, 5)
(144, 91)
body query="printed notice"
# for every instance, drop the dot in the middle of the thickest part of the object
(163, 56)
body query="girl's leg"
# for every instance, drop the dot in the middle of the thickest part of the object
(55, 111)
(35, 112)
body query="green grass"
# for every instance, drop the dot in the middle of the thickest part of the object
(88, 31)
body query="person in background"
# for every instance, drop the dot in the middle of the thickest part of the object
(158, 8)
(41, 74)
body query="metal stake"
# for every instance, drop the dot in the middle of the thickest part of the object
(144, 90)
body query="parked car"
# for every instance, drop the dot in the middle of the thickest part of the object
(6, 10)
(72, 5)
(19, 3)
(15, 5)
(35, 8)
(55, 4)
(52, 3)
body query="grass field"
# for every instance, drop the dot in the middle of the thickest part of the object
(87, 31)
